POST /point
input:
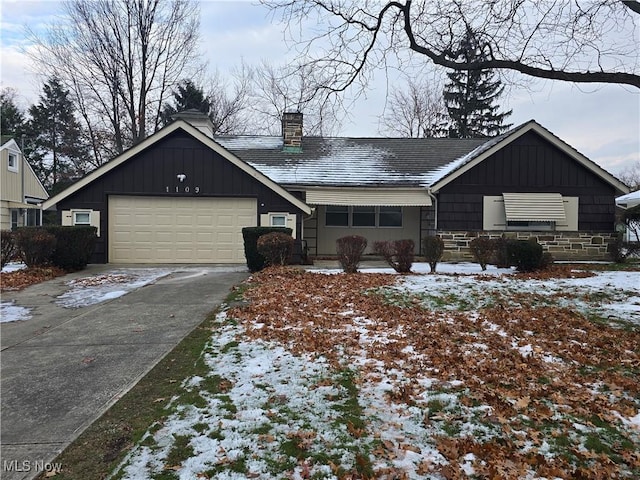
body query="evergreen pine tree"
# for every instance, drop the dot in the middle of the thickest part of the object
(471, 95)
(12, 123)
(58, 152)
(187, 97)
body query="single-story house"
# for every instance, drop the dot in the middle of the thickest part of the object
(183, 195)
(21, 193)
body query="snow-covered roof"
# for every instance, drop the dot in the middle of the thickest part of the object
(392, 162)
(629, 200)
(351, 161)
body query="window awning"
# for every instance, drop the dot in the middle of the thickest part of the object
(369, 197)
(534, 207)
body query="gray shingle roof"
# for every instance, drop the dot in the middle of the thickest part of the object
(352, 161)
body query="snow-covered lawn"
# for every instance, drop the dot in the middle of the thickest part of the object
(375, 375)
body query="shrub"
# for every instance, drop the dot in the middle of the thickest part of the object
(483, 250)
(74, 246)
(621, 250)
(526, 255)
(501, 256)
(275, 247)
(433, 249)
(398, 254)
(35, 245)
(255, 261)
(350, 250)
(8, 247)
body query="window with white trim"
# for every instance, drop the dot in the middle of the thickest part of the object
(278, 220)
(337, 216)
(13, 162)
(363, 216)
(82, 218)
(15, 219)
(390, 217)
(532, 212)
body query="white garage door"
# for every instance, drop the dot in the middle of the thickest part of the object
(178, 230)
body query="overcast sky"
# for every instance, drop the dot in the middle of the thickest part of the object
(602, 122)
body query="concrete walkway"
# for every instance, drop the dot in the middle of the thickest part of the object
(63, 368)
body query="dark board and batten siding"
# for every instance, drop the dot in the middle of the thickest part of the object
(528, 164)
(154, 170)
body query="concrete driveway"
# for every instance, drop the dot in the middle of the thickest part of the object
(64, 367)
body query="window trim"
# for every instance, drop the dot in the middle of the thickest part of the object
(272, 216)
(350, 215)
(333, 225)
(81, 212)
(16, 166)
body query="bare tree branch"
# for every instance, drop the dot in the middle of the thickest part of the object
(120, 58)
(581, 42)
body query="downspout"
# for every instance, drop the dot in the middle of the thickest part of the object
(24, 197)
(435, 207)
(22, 168)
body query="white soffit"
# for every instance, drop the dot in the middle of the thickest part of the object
(376, 197)
(535, 207)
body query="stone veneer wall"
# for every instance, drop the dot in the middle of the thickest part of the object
(562, 245)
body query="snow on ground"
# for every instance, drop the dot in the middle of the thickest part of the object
(611, 294)
(98, 288)
(95, 289)
(260, 405)
(10, 312)
(13, 266)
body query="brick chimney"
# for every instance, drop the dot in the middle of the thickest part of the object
(197, 119)
(292, 131)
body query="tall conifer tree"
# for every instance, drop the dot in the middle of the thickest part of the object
(12, 121)
(57, 149)
(471, 95)
(187, 96)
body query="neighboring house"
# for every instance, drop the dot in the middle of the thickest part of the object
(630, 200)
(21, 193)
(183, 195)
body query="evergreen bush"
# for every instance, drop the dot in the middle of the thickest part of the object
(526, 255)
(74, 246)
(501, 256)
(350, 250)
(8, 247)
(255, 261)
(275, 247)
(397, 253)
(433, 248)
(35, 245)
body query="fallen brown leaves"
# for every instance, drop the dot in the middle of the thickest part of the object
(19, 279)
(539, 369)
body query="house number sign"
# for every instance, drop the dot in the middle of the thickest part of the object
(182, 189)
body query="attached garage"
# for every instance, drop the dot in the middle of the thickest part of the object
(176, 197)
(147, 229)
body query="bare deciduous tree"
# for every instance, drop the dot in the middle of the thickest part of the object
(276, 90)
(119, 58)
(582, 42)
(418, 111)
(631, 176)
(229, 102)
